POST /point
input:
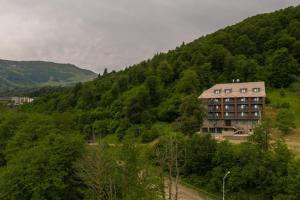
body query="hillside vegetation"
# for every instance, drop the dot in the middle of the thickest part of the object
(165, 88)
(149, 114)
(18, 76)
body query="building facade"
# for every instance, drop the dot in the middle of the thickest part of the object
(21, 100)
(234, 107)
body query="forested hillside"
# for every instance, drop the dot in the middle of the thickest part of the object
(150, 111)
(264, 47)
(20, 76)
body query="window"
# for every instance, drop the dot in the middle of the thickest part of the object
(217, 107)
(243, 90)
(216, 100)
(227, 100)
(242, 114)
(217, 91)
(256, 89)
(226, 114)
(226, 107)
(243, 99)
(217, 114)
(243, 106)
(255, 106)
(256, 114)
(227, 91)
(256, 99)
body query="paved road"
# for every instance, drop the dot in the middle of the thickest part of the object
(186, 193)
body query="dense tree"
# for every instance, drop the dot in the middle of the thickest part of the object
(45, 171)
(245, 46)
(283, 68)
(188, 83)
(285, 120)
(199, 154)
(165, 72)
(191, 115)
(261, 137)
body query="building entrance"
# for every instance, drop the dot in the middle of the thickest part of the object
(227, 122)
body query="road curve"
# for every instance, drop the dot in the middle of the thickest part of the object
(185, 193)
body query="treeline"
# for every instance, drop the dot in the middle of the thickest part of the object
(46, 157)
(165, 88)
(259, 168)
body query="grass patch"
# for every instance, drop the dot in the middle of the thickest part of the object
(278, 97)
(110, 139)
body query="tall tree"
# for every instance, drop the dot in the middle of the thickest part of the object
(283, 68)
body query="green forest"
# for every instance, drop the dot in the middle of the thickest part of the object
(152, 112)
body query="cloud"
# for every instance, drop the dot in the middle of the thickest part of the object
(113, 33)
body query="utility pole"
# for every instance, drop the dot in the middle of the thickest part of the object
(224, 178)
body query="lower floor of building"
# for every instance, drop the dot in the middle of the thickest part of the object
(234, 126)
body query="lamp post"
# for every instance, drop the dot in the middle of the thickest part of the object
(224, 178)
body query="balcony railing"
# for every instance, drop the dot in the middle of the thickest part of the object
(213, 102)
(256, 109)
(230, 101)
(214, 117)
(253, 116)
(239, 101)
(260, 101)
(229, 116)
(230, 110)
(243, 109)
(243, 115)
(214, 110)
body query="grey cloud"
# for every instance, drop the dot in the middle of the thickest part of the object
(113, 33)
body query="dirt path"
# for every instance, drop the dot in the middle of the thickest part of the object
(186, 193)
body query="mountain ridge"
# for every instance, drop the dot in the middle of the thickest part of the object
(18, 76)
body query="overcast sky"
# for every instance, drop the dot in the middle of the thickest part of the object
(95, 34)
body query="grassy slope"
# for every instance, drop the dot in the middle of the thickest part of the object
(290, 97)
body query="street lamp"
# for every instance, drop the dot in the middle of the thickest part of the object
(227, 173)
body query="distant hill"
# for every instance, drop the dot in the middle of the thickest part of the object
(17, 76)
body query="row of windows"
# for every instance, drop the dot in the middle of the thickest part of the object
(242, 90)
(242, 114)
(243, 99)
(227, 107)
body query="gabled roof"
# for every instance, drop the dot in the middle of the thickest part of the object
(235, 90)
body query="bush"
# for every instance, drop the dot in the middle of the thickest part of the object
(285, 120)
(149, 136)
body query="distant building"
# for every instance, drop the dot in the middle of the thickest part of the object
(21, 100)
(235, 107)
(5, 99)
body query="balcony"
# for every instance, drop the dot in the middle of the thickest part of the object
(245, 109)
(257, 101)
(229, 116)
(229, 101)
(253, 108)
(255, 115)
(242, 101)
(214, 102)
(243, 115)
(229, 110)
(214, 116)
(213, 110)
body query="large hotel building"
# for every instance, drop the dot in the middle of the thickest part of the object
(235, 107)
